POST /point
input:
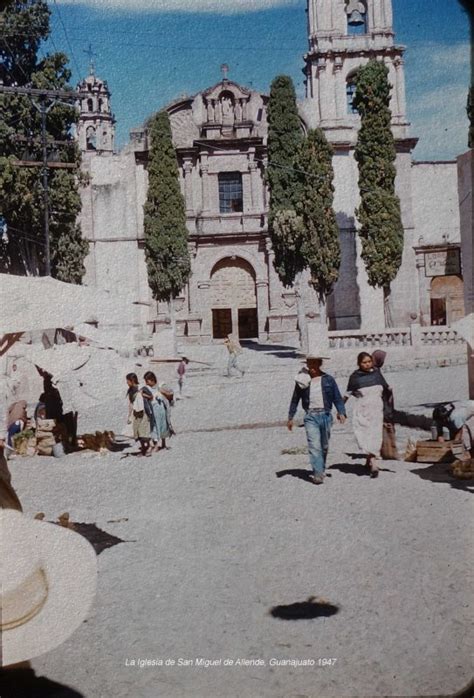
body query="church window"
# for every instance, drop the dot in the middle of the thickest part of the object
(356, 11)
(230, 192)
(100, 105)
(350, 93)
(90, 105)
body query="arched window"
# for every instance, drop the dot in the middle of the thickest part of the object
(350, 93)
(356, 11)
(90, 138)
(90, 105)
(100, 105)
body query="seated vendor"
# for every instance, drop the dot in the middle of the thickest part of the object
(16, 421)
(458, 420)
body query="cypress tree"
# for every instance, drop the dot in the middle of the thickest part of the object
(284, 140)
(381, 228)
(166, 235)
(321, 248)
(24, 26)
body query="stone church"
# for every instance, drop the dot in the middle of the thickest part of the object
(220, 136)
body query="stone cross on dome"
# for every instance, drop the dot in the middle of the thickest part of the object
(224, 70)
(91, 55)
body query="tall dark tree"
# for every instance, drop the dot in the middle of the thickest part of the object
(381, 228)
(321, 250)
(24, 26)
(166, 235)
(285, 137)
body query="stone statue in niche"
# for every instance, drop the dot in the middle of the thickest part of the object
(210, 111)
(90, 138)
(227, 107)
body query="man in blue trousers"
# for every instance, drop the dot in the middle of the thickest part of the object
(318, 393)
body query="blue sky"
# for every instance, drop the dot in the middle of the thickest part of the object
(154, 51)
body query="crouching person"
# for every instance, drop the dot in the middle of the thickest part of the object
(318, 393)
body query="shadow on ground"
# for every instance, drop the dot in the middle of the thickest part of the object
(359, 469)
(439, 472)
(280, 350)
(304, 610)
(23, 683)
(298, 473)
(415, 421)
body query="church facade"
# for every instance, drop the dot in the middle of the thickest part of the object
(220, 136)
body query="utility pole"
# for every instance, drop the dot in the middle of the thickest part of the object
(44, 101)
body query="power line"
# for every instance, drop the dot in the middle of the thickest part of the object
(67, 38)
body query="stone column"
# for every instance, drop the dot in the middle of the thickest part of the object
(377, 15)
(262, 307)
(339, 86)
(273, 282)
(188, 185)
(424, 283)
(254, 183)
(205, 182)
(247, 193)
(400, 86)
(325, 96)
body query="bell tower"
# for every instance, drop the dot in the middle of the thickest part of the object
(96, 125)
(343, 35)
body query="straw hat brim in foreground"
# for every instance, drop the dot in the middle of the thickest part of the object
(48, 578)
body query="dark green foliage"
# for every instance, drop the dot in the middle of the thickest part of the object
(321, 248)
(381, 228)
(25, 24)
(166, 236)
(470, 114)
(284, 140)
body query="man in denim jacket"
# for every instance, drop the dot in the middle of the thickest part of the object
(318, 393)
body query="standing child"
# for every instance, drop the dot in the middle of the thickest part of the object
(159, 411)
(136, 414)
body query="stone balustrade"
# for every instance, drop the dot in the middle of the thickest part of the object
(413, 336)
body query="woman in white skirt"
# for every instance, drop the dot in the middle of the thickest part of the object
(367, 386)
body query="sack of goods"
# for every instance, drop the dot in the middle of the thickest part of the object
(45, 439)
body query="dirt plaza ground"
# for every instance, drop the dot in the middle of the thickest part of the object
(237, 577)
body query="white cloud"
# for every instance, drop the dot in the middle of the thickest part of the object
(219, 6)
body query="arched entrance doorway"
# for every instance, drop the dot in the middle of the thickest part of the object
(447, 300)
(233, 297)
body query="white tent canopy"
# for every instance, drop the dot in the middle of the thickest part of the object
(37, 303)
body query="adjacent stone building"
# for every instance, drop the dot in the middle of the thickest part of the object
(220, 136)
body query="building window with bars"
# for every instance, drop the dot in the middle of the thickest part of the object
(230, 192)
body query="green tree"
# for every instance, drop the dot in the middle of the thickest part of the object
(381, 228)
(24, 26)
(321, 250)
(285, 137)
(166, 235)
(470, 114)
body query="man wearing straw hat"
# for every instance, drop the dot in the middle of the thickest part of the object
(318, 393)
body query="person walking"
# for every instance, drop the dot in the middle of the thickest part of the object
(136, 414)
(181, 371)
(234, 349)
(389, 441)
(367, 386)
(318, 393)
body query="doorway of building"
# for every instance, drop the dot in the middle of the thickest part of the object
(447, 299)
(248, 323)
(221, 322)
(233, 299)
